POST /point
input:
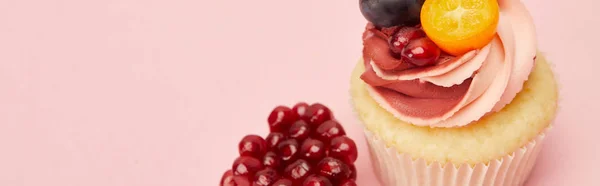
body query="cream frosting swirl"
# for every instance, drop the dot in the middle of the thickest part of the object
(458, 90)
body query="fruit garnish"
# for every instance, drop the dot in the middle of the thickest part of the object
(421, 52)
(402, 37)
(348, 183)
(306, 146)
(334, 169)
(459, 26)
(266, 177)
(253, 145)
(329, 130)
(388, 13)
(316, 180)
(230, 180)
(283, 182)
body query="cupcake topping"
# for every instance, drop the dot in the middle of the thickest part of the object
(487, 51)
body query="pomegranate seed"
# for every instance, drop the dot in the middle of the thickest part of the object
(352, 171)
(273, 139)
(421, 52)
(237, 181)
(316, 114)
(300, 108)
(227, 177)
(288, 150)
(306, 147)
(246, 166)
(283, 182)
(316, 180)
(281, 118)
(265, 177)
(312, 150)
(348, 183)
(343, 148)
(271, 160)
(390, 30)
(333, 169)
(252, 145)
(402, 37)
(297, 171)
(329, 130)
(300, 130)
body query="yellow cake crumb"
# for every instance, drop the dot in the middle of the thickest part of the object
(492, 137)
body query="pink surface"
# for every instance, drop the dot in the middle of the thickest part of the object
(157, 93)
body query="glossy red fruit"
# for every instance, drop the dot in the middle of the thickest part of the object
(246, 166)
(421, 52)
(353, 172)
(283, 182)
(329, 130)
(390, 30)
(343, 148)
(334, 169)
(298, 171)
(288, 150)
(402, 37)
(313, 150)
(316, 180)
(237, 181)
(348, 183)
(281, 118)
(300, 108)
(317, 114)
(273, 139)
(252, 145)
(304, 141)
(227, 177)
(271, 160)
(265, 177)
(300, 130)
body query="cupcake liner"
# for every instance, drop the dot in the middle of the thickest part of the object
(396, 169)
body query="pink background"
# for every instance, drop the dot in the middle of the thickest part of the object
(158, 93)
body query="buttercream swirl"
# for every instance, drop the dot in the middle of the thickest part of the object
(459, 89)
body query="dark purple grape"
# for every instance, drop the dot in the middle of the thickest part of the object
(388, 13)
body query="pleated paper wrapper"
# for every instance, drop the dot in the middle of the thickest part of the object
(396, 169)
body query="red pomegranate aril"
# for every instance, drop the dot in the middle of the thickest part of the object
(271, 160)
(283, 182)
(237, 181)
(316, 180)
(300, 108)
(329, 130)
(421, 52)
(273, 139)
(306, 146)
(317, 114)
(312, 150)
(252, 145)
(390, 30)
(348, 183)
(353, 172)
(246, 166)
(265, 177)
(281, 118)
(402, 37)
(300, 130)
(334, 169)
(227, 177)
(298, 171)
(288, 150)
(343, 148)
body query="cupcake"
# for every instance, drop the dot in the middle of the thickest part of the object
(452, 92)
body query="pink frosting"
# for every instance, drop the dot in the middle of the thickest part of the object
(459, 90)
